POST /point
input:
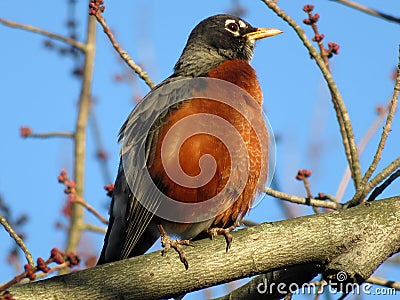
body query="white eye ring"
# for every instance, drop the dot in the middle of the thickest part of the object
(232, 26)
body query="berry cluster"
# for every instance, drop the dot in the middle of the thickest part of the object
(68, 259)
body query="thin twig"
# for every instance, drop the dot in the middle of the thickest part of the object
(386, 172)
(340, 108)
(309, 194)
(384, 282)
(124, 55)
(17, 239)
(360, 148)
(368, 10)
(40, 275)
(378, 190)
(30, 28)
(74, 197)
(361, 193)
(94, 228)
(386, 127)
(61, 258)
(302, 200)
(51, 135)
(77, 199)
(321, 47)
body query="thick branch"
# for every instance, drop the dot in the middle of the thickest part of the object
(77, 224)
(275, 284)
(256, 250)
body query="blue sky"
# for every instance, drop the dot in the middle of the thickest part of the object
(39, 91)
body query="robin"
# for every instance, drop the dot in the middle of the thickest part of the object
(216, 57)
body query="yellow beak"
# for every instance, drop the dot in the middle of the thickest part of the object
(261, 33)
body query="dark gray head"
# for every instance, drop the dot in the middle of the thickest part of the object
(218, 38)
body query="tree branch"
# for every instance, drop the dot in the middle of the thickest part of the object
(17, 239)
(52, 35)
(318, 238)
(124, 55)
(386, 127)
(378, 190)
(342, 115)
(384, 282)
(270, 283)
(57, 134)
(368, 10)
(303, 200)
(360, 148)
(94, 228)
(81, 201)
(77, 224)
(366, 188)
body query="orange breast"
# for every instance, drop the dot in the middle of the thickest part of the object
(200, 184)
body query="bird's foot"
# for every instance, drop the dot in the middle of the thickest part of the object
(226, 232)
(168, 243)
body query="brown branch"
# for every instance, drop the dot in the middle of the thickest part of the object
(74, 197)
(340, 108)
(275, 284)
(386, 127)
(368, 10)
(255, 250)
(30, 272)
(81, 201)
(77, 225)
(386, 172)
(303, 175)
(54, 269)
(51, 135)
(17, 239)
(302, 200)
(383, 186)
(30, 28)
(360, 148)
(124, 55)
(95, 228)
(384, 282)
(362, 192)
(319, 37)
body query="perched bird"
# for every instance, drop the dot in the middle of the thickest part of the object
(220, 48)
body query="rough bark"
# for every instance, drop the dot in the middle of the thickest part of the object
(355, 241)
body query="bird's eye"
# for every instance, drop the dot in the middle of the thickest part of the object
(233, 27)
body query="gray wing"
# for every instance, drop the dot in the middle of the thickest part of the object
(134, 197)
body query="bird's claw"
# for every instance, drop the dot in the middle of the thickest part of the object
(226, 232)
(168, 243)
